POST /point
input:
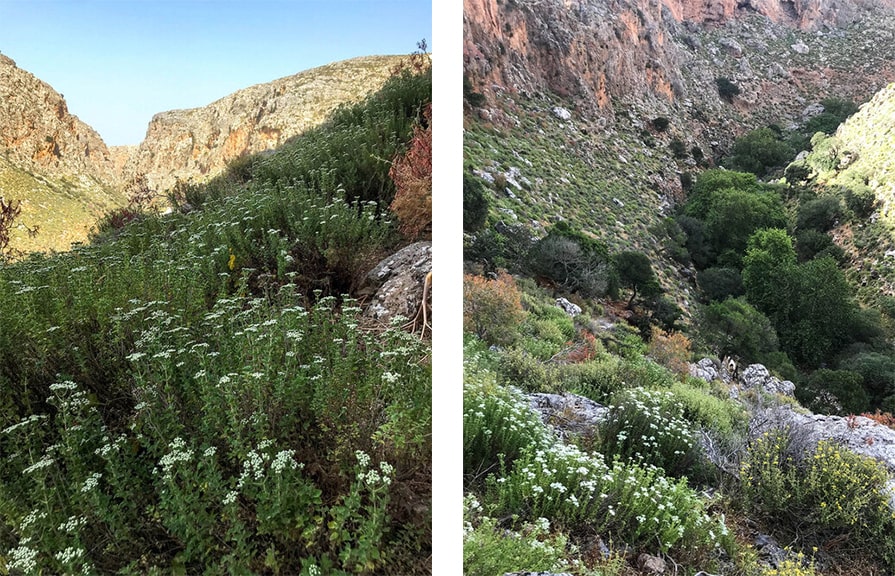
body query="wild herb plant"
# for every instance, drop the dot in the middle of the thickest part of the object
(195, 393)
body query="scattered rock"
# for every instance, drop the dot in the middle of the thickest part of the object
(562, 113)
(651, 564)
(568, 413)
(800, 47)
(731, 46)
(618, 203)
(757, 376)
(776, 71)
(705, 369)
(397, 282)
(570, 308)
(812, 110)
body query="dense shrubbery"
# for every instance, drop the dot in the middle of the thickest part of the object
(194, 394)
(830, 494)
(759, 151)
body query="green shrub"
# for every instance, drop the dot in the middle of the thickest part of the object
(575, 261)
(726, 88)
(498, 425)
(678, 148)
(820, 214)
(489, 550)
(717, 284)
(630, 503)
(831, 493)
(758, 152)
(475, 203)
(660, 123)
(845, 387)
(648, 427)
(721, 415)
(861, 200)
(519, 367)
(812, 244)
(735, 327)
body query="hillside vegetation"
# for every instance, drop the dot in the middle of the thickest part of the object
(593, 441)
(198, 393)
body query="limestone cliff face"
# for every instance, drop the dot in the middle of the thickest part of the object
(38, 133)
(596, 52)
(196, 144)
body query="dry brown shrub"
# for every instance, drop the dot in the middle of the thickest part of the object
(412, 175)
(492, 309)
(671, 350)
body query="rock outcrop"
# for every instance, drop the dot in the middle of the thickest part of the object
(396, 285)
(39, 134)
(196, 144)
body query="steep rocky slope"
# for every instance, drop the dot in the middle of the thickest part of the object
(55, 164)
(37, 131)
(196, 144)
(571, 88)
(66, 177)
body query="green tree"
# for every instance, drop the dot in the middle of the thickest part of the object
(820, 214)
(735, 215)
(475, 203)
(877, 371)
(758, 151)
(636, 272)
(726, 88)
(712, 181)
(844, 385)
(735, 327)
(717, 284)
(575, 261)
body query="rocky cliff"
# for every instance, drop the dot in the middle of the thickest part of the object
(571, 89)
(38, 132)
(196, 144)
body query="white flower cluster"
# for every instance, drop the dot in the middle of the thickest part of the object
(22, 558)
(44, 462)
(73, 523)
(179, 453)
(31, 518)
(25, 422)
(70, 554)
(91, 482)
(285, 459)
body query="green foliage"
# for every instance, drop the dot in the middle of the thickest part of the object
(819, 214)
(678, 148)
(498, 425)
(724, 417)
(575, 261)
(861, 200)
(877, 371)
(475, 203)
(636, 272)
(758, 152)
(648, 427)
(717, 284)
(629, 503)
(726, 88)
(834, 392)
(734, 327)
(488, 550)
(197, 384)
(712, 181)
(832, 493)
(812, 244)
(836, 111)
(660, 123)
(351, 152)
(735, 215)
(825, 153)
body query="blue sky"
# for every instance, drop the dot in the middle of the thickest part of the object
(120, 62)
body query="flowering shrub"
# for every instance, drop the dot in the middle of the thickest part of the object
(632, 503)
(487, 550)
(647, 426)
(831, 493)
(497, 423)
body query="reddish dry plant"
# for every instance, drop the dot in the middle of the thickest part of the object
(583, 351)
(884, 418)
(671, 350)
(492, 308)
(412, 174)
